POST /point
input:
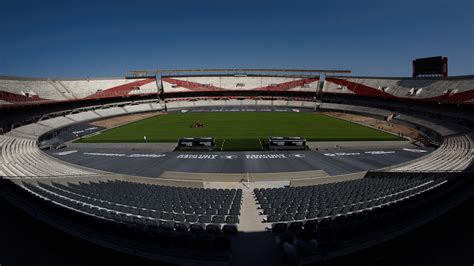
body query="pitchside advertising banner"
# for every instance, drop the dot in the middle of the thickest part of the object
(196, 142)
(287, 143)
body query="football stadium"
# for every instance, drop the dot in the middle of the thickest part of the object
(235, 166)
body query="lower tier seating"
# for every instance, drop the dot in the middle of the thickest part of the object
(21, 158)
(455, 154)
(342, 200)
(168, 208)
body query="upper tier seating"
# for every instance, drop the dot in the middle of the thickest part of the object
(455, 90)
(17, 91)
(180, 103)
(237, 83)
(25, 90)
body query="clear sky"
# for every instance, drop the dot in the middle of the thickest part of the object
(106, 38)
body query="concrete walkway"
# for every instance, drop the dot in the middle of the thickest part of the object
(253, 245)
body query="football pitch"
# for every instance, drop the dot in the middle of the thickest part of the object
(239, 130)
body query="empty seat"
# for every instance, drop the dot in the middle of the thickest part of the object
(213, 228)
(218, 219)
(204, 219)
(178, 217)
(166, 225)
(279, 227)
(229, 229)
(191, 218)
(295, 227)
(197, 228)
(232, 219)
(181, 227)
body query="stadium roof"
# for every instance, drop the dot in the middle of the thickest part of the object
(139, 73)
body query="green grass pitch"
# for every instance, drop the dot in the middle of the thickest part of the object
(239, 130)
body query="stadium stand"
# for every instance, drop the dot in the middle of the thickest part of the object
(17, 90)
(21, 158)
(113, 111)
(333, 216)
(185, 103)
(305, 207)
(339, 199)
(436, 124)
(236, 83)
(182, 209)
(448, 90)
(138, 108)
(455, 154)
(121, 90)
(148, 88)
(84, 116)
(56, 122)
(316, 219)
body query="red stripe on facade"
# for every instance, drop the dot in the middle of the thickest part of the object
(121, 90)
(287, 85)
(455, 97)
(363, 90)
(18, 98)
(360, 89)
(193, 86)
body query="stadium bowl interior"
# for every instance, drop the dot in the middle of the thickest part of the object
(221, 206)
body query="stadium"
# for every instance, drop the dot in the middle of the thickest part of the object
(190, 166)
(236, 133)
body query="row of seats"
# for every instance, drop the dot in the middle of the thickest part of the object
(163, 198)
(167, 238)
(422, 194)
(220, 83)
(35, 130)
(455, 154)
(44, 90)
(339, 199)
(169, 208)
(21, 158)
(449, 90)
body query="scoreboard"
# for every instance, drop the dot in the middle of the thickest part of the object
(205, 143)
(430, 66)
(287, 143)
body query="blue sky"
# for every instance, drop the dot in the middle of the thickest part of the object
(107, 38)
